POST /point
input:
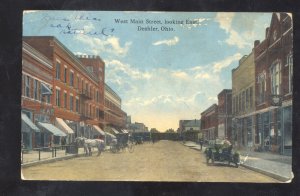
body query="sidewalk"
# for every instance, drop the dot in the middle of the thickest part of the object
(32, 157)
(273, 165)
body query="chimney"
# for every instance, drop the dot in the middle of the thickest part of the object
(256, 43)
(267, 31)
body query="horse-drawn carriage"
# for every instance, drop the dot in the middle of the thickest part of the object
(121, 142)
(221, 151)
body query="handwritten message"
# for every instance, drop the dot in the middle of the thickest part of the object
(70, 25)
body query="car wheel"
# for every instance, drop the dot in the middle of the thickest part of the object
(207, 161)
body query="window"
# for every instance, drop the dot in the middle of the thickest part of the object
(27, 86)
(251, 97)
(71, 102)
(57, 97)
(77, 105)
(290, 65)
(78, 82)
(65, 99)
(57, 70)
(97, 96)
(275, 78)
(35, 89)
(65, 75)
(71, 79)
(261, 88)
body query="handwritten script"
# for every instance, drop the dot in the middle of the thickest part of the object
(71, 26)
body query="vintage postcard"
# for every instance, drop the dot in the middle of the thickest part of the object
(157, 96)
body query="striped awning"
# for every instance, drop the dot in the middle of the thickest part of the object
(110, 135)
(98, 129)
(114, 130)
(51, 128)
(60, 123)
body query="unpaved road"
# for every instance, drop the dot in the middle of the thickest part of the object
(162, 161)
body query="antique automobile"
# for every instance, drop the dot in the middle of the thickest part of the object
(221, 151)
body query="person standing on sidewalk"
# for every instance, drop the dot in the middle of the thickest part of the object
(201, 143)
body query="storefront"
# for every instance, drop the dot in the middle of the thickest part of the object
(51, 135)
(29, 131)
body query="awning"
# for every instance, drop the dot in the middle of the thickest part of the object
(98, 129)
(45, 89)
(51, 128)
(111, 135)
(29, 123)
(124, 131)
(114, 130)
(60, 123)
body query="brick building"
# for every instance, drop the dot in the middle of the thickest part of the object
(273, 73)
(37, 83)
(114, 116)
(225, 114)
(243, 102)
(77, 87)
(209, 123)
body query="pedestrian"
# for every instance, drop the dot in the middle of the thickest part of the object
(201, 143)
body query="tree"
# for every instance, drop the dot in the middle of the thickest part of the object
(170, 130)
(154, 130)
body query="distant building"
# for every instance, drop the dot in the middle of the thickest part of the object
(243, 102)
(225, 114)
(114, 116)
(209, 123)
(138, 127)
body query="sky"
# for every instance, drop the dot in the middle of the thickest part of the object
(162, 76)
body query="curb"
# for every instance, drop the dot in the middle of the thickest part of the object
(270, 174)
(51, 160)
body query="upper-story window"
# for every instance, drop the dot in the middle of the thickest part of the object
(261, 88)
(275, 78)
(290, 66)
(35, 89)
(65, 99)
(65, 75)
(71, 78)
(57, 97)
(71, 102)
(27, 86)
(57, 70)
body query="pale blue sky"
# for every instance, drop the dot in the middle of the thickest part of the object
(161, 76)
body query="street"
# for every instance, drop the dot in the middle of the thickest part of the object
(161, 161)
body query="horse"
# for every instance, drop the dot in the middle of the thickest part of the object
(89, 143)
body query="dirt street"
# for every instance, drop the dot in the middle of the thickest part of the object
(162, 161)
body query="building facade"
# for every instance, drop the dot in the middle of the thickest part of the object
(36, 96)
(77, 88)
(243, 102)
(225, 114)
(274, 86)
(114, 116)
(209, 123)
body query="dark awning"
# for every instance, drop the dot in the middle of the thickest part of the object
(51, 128)
(26, 121)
